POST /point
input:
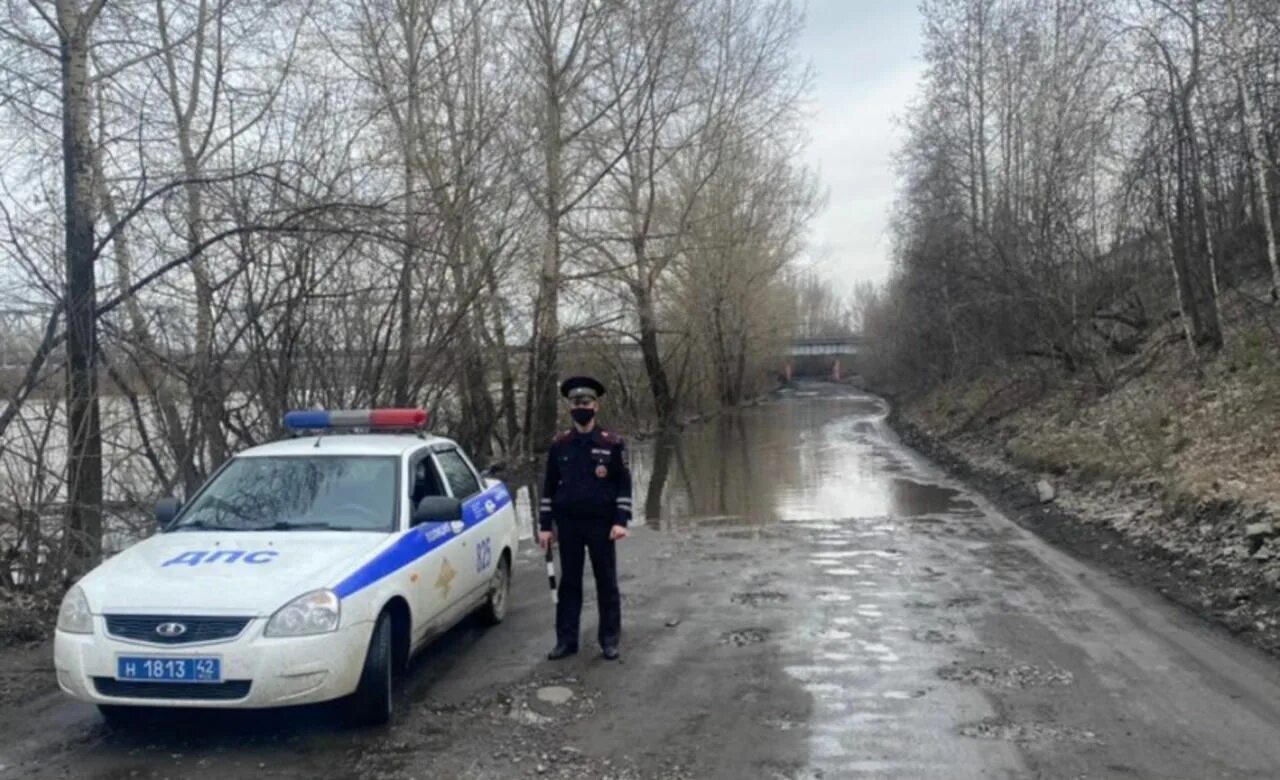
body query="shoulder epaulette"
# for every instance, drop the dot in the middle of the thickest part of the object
(562, 436)
(610, 437)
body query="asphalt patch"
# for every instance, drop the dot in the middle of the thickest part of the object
(756, 598)
(932, 636)
(773, 769)
(1021, 676)
(1008, 731)
(783, 721)
(745, 636)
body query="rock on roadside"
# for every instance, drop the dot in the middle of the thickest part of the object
(1045, 491)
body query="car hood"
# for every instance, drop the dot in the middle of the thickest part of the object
(224, 572)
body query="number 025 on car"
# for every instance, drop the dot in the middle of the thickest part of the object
(168, 669)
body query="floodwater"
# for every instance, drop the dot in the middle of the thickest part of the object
(803, 455)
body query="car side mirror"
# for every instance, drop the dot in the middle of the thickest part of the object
(437, 509)
(494, 469)
(167, 509)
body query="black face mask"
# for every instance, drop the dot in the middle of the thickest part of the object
(582, 415)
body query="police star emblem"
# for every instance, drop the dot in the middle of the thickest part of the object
(445, 579)
(602, 472)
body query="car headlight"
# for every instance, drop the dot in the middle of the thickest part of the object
(316, 612)
(74, 616)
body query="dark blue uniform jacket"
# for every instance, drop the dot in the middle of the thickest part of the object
(587, 479)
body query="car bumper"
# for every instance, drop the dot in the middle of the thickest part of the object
(257, 671)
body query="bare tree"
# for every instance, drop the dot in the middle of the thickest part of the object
(74, 25)
(561, 46)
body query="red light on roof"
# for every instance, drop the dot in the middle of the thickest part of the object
(398, 418)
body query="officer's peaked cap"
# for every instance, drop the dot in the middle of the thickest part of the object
(583, 385)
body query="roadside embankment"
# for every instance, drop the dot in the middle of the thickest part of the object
(1171, 478)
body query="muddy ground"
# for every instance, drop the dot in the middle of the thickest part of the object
(807, 599)
(1198, 556)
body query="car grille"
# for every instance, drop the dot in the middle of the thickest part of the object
(142, 628)
(224, 691)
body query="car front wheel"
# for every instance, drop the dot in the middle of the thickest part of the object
(495, 607)
(370, 705)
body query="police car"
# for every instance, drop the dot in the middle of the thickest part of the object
(304, 570)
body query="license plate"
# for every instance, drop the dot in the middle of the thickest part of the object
(187, 670)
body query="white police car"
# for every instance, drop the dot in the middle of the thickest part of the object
(304, 570)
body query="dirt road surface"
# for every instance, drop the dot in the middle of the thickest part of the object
(806, 599)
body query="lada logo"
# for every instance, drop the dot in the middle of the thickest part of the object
(171, 630)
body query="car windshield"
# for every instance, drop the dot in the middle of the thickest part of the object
(296, 494)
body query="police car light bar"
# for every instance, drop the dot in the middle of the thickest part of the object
(374, 419)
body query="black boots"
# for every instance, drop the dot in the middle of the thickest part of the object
(562, 651)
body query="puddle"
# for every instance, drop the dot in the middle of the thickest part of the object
(887, 555)
(742, 536)
(555, 694)
(902, 695)
(909, 498)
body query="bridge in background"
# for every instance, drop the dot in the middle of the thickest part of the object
(834, 357)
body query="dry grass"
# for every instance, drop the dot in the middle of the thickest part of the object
(1216, 435)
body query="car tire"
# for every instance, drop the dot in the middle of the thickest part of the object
(371, 704)
(494, 609)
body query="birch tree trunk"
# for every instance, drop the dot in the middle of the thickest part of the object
(83, 524)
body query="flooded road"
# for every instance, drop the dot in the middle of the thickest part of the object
(809, 455)
(805, 598)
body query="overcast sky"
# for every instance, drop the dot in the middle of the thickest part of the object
(865, 54)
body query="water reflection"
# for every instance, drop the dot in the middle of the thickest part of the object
(808, 457)
(913, 499)
(800, 458)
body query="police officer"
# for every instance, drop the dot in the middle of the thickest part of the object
(587, 495)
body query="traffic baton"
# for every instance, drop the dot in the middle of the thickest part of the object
(551, 558)
(551, 574)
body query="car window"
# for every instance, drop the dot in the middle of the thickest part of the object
(461, 478)
(425, 481)
(326, 492)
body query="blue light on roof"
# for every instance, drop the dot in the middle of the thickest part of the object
(306, 419)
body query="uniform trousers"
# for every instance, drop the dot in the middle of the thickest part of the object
(579, 538)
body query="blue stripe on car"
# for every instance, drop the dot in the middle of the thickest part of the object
(417, 542)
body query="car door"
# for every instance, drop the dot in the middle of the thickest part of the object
(476, 540)
(435, 574)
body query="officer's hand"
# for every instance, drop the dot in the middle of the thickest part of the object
(546, 539)
(617, 533)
